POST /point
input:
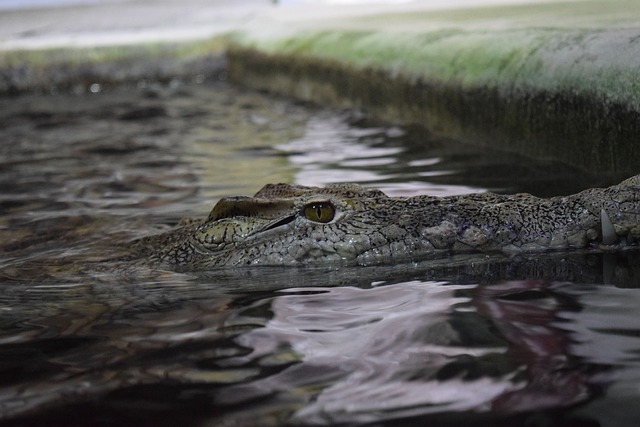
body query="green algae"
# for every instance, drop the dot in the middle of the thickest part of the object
(553, 81)
(603, 63)
(585, 46)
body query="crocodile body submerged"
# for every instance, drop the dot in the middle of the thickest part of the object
(348, 224)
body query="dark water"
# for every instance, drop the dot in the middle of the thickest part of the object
(537, 341)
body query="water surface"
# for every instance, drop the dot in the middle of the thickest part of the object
(541, 340)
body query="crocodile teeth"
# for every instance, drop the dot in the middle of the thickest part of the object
(608, 232)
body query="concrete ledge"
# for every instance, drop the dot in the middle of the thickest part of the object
(580, 129)
(548, 80)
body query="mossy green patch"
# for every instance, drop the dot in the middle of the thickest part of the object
(603, 63)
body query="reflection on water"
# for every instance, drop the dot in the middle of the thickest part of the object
(540, 340)
(387, 348)
(333, 150)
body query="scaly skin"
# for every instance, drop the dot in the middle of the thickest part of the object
(348, 224)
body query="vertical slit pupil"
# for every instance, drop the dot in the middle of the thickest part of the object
(322, 212)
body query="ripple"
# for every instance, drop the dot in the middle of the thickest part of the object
(389, 342)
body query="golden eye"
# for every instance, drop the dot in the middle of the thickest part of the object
(319, 212)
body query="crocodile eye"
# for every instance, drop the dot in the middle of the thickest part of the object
(319, 212)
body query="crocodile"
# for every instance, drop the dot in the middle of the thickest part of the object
(342, 224)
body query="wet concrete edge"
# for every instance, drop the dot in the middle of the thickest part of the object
(589, 132)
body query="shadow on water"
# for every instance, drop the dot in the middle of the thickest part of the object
(537, 340)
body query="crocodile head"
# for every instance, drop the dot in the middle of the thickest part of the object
(284, 224)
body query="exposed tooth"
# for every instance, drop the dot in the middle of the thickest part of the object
(608, 232)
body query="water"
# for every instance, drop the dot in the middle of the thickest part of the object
(539, 341)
